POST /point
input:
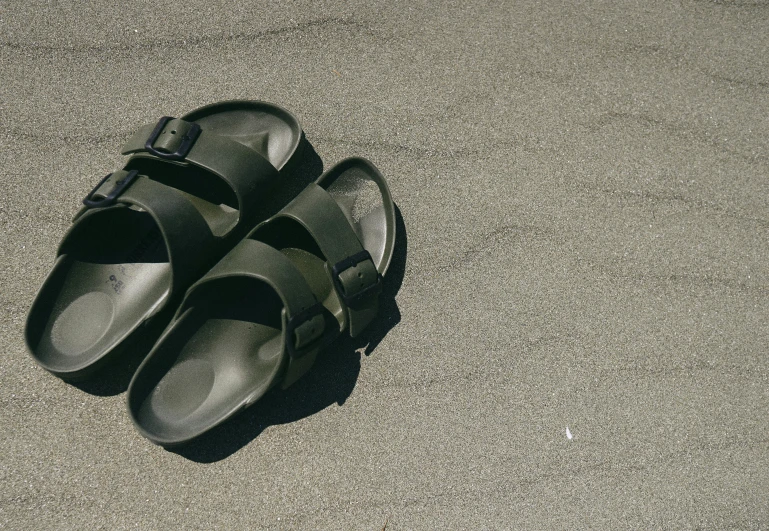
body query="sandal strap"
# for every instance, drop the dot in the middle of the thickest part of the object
(354, 274)
(187, 236)
(245, 170)
(307, 325)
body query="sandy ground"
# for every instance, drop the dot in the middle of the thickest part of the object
(583, 189)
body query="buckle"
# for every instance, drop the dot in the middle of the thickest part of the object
(308, 319)
(344, 265)
(110, 198)
(188, 139)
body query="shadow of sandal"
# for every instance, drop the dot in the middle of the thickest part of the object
(330, 381)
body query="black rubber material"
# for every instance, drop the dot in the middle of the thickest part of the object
(118, 266)
(227, 345)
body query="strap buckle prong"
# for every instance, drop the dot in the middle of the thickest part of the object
(344, 265)
(306, 317)
(184, 147)
(121, 185)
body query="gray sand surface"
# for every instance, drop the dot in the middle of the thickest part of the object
(584, 188)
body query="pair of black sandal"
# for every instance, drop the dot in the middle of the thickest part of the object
(261, 315)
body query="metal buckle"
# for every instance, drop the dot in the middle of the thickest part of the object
(184, 148)
(121, 185)
(344, 265)
(302, 318)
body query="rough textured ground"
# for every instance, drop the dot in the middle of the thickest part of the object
(583, 189)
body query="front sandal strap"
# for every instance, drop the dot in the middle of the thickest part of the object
(308, 325)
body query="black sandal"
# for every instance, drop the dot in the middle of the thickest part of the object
(260, 317)
(149, 231)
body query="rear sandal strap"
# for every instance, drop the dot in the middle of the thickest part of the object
(246, 171)
(356, 279)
